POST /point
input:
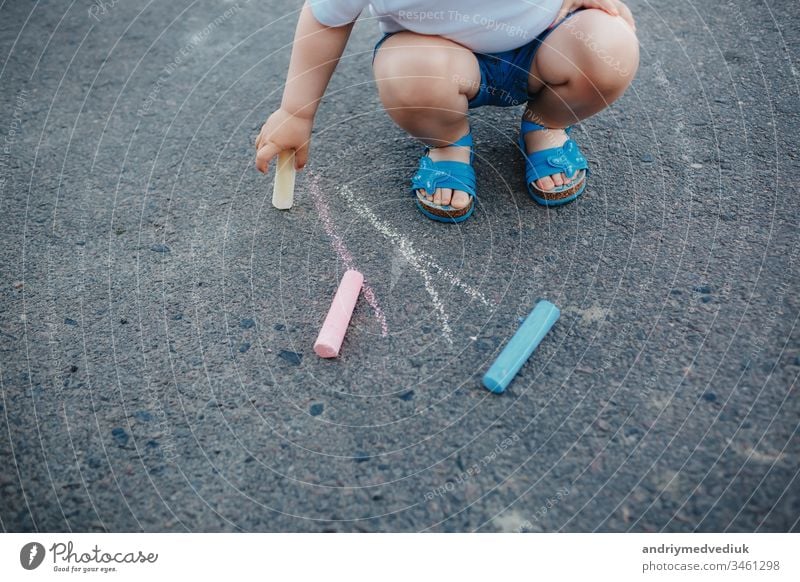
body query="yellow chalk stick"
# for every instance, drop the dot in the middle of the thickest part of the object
(283, 188)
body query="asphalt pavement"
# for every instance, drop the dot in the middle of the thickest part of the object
(157, 315)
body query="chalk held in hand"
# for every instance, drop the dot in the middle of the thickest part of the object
(332, 333)
(521, 346)
(283, 188)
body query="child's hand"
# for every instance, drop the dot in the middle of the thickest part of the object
(283, 131)
(613, 7)
(315, 52)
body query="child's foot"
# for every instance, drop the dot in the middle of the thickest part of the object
(446, 196)
(536, 141)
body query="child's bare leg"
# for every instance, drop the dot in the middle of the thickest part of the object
(424, 84)
(582, 67)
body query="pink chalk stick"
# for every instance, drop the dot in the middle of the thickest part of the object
(332, 333)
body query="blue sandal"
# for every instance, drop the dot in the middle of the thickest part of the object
(445, 174)
(566, 159)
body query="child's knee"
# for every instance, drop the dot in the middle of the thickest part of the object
(607, 51)
(409, 77)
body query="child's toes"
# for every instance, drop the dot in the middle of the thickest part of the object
(447, 194)
(558, 179)
(460, 199)
(545, 183)
(425, 195)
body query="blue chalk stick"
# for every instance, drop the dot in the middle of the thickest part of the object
(521, 346)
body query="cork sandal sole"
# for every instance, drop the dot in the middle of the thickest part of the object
(445, 213)
(558, 197)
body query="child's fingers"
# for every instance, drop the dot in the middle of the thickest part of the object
(301, 157)
(570, 5)
(261, 138)
(604, 5)
(265, 153)
(566, 7)
(626, 14)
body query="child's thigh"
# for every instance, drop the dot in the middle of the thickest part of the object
(423, 60)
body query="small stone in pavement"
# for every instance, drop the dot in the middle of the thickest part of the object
(143, 415)
(292, 357)
(120, 436)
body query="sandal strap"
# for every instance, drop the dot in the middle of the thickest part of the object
(529, 126)
(566, 159)
(464, 141)
(444, 174)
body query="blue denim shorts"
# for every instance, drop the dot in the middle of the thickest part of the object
(504, 75)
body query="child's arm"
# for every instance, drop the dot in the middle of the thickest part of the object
(316, 52)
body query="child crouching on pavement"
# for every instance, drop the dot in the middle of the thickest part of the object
(565, 59)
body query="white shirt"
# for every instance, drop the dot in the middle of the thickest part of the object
(486, 26)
